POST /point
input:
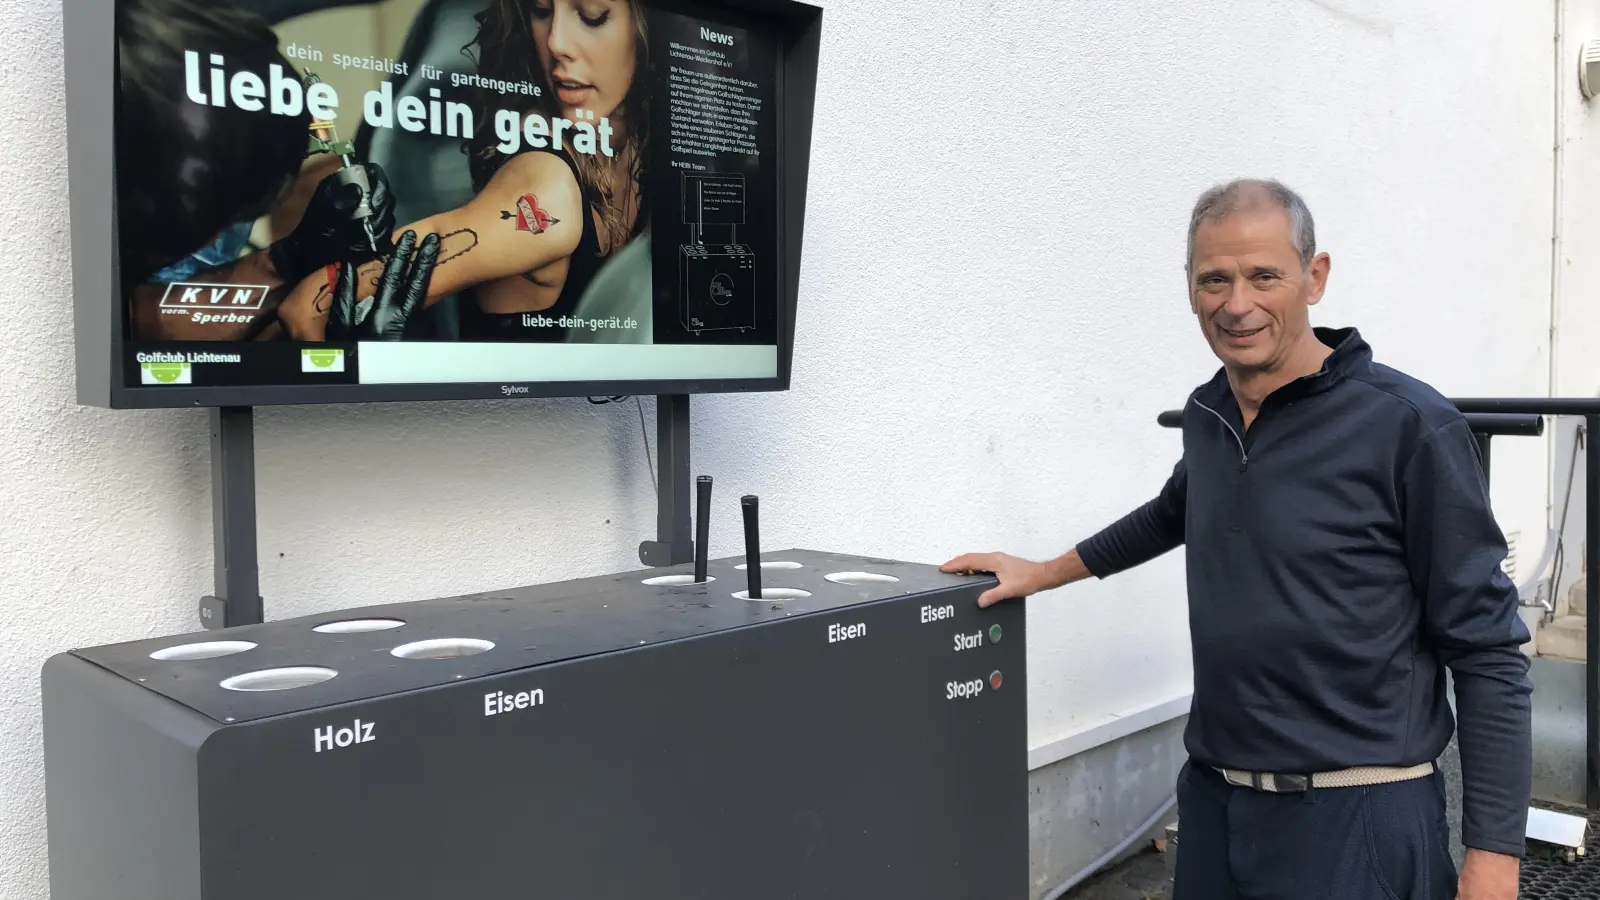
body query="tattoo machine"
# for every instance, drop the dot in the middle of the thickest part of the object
(325, 139)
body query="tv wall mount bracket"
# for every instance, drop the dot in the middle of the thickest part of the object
(236, 592)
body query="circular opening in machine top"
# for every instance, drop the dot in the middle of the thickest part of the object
(357, 626)
(442, 648)
(677, 580)
(778, 564)
(203, 650)
(860, 578)
(279, 679)
(774, 593)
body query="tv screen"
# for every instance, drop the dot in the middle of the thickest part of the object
(345, 200)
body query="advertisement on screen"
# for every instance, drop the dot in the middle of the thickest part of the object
(445, 192)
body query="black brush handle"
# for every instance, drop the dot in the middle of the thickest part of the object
(752, 543)
(702, 526)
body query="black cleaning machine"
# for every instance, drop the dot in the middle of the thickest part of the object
(815, 725)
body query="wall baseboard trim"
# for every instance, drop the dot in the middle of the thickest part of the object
(1111, 728)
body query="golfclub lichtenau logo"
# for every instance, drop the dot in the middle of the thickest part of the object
(321, 359)
(166, 371)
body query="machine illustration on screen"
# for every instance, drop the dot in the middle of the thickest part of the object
(719, 278)
(392, 199)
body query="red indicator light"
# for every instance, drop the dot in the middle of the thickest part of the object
(994, 681)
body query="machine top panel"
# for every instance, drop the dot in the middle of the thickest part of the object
(275, 668)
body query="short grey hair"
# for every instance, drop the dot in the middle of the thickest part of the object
(1240, 194)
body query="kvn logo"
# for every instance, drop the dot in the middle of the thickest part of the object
(357, 732)
(190, 295)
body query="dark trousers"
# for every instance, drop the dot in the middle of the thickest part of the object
(1386, 842)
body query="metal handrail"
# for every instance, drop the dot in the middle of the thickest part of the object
(1491, 417)
(1493, 424)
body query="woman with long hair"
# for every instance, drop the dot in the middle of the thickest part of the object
(544, 219)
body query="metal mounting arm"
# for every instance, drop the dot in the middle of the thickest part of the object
(674, 543)
(237, 600)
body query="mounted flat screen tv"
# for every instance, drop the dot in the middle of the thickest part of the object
(310, 201)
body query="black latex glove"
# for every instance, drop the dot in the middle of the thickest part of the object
(328, 234)
(402, 290)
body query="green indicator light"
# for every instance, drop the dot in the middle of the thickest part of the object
(994, 634)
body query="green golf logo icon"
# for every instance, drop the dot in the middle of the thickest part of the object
(164, 373)
(321, 359)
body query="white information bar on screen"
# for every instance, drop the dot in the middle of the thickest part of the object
(470, 363)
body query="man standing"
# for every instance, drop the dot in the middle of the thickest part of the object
(1341, 555)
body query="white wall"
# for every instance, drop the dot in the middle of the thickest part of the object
(992, 316)
(1577, 281)
(1578, 274)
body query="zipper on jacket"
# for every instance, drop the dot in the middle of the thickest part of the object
(1244, 457)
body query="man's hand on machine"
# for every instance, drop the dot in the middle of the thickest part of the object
(401, 289)
(328, 231)
(1018, 577)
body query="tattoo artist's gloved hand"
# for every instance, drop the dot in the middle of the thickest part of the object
(402, 290)
(327, 233)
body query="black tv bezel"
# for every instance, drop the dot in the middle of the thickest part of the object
(90, 64)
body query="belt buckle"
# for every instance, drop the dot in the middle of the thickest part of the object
(1281, 783)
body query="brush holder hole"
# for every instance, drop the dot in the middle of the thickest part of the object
(442, 648)
(279, 679)
(774, 593)
(860, 578)
(203, 650)
(778, 564)
(357, 626)
(676, 580)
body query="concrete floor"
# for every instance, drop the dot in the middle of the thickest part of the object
(1145, 876)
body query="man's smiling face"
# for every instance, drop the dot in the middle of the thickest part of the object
(1249, 288)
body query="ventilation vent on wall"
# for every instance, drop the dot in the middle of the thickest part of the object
(1510, 565)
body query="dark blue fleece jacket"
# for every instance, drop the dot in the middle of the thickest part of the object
(1341, 555)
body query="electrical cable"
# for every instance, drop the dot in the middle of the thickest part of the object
(1109, 856)
(1578, 438)
(644, 432)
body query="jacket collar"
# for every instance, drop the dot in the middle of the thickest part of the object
(1351, 354)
